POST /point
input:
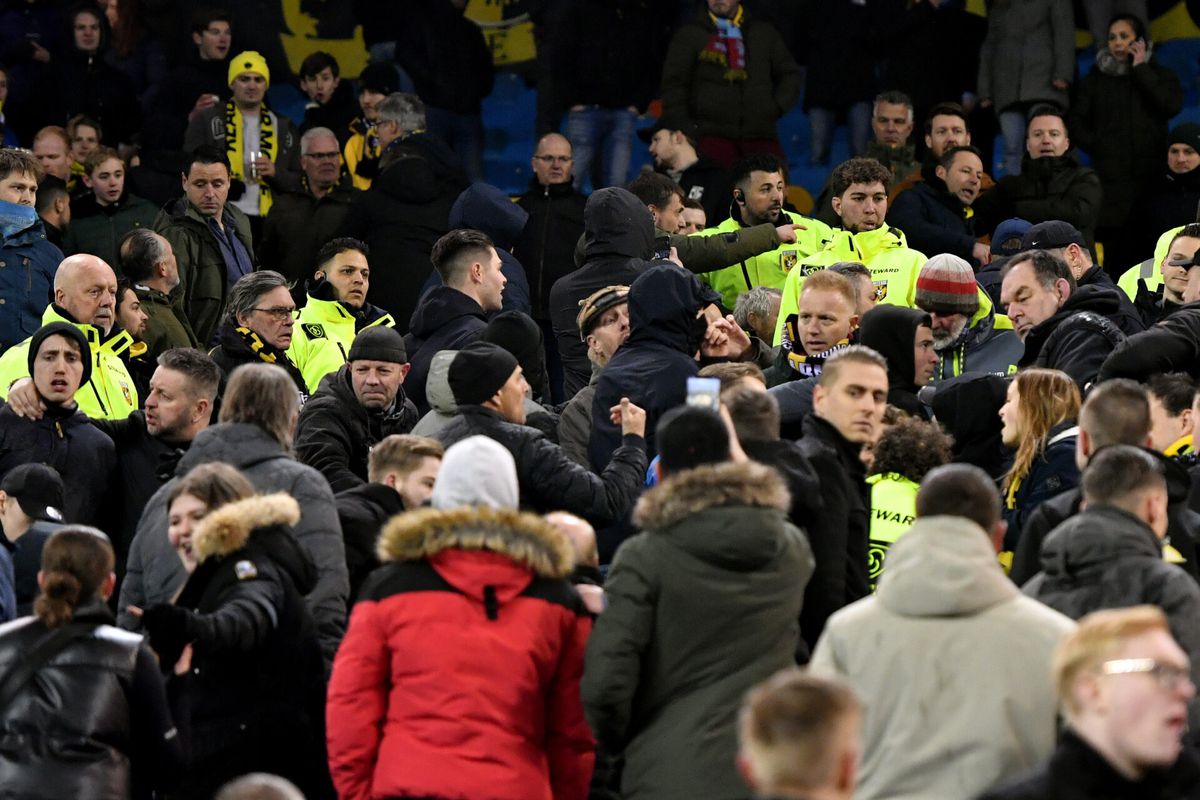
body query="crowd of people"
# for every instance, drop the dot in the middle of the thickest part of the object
(328, 469)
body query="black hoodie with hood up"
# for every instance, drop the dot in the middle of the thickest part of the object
(653, 365)
(891, 331)
(618, 243)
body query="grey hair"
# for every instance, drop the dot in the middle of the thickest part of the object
(313, 133)
(405, 109)
(757, 301)
(140, 251)
(244, 294)
(893, 98)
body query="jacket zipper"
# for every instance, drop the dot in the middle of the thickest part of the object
(542, 252)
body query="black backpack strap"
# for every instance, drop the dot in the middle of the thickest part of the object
(46, 648)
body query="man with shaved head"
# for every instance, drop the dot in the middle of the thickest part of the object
(85, 295)
(547, 245)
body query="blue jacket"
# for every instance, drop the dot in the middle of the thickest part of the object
(27, 266)
(486, 208)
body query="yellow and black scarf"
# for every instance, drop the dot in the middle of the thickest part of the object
(267, 142)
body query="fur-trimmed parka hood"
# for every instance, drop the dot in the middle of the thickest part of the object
(522, 537)
(227, 529)
(734, 512)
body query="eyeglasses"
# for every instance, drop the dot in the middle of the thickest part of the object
(554, 159)
(280, 313)
(324, 156)
(1168, 676)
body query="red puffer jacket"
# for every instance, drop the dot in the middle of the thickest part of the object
(459, 673)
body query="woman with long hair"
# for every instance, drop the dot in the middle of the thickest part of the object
(256, 697)
(1039, 420)
(83, 710)
(1121, 113)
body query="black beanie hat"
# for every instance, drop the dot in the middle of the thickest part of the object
(378, 343)
(69, 331)
(478, 372)
(1186, 133)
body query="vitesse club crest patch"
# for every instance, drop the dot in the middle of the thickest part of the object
(788, 259)
(314, 331)
(880, 291)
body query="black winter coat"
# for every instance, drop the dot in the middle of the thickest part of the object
(102, 731)
(618, 240)
(362, 511)
(1168, 201)
(708, 184)
(839, 531)
(63, 439)
(335, 432)
(447, 57)
(833, 81)
(1121, 121)
(933, 220)
(653, 365)
(446, 319)
(1173, 345)
(1077, 772)
(546, 246)
(605, 53)
(257, 688)
(1106, 558)
(337, 115)
(968, 406)
(1052, 187)
(298, 226)
(1183, 524)
(1073, 341)
(237, 346)
(1126, 317)
(400, 217)
(88, 85)
(168, 104)
(549, 480)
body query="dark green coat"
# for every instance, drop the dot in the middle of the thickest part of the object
(97, 229)
(702, 605)
(698, 90)
(203, 277)
(166, 326)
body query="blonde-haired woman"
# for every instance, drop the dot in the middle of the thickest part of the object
(1039, 420)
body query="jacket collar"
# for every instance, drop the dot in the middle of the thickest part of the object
(523, 537)
(865, 245)
(227, 529)
(710, 486)
(116, 342)
(848, 452)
